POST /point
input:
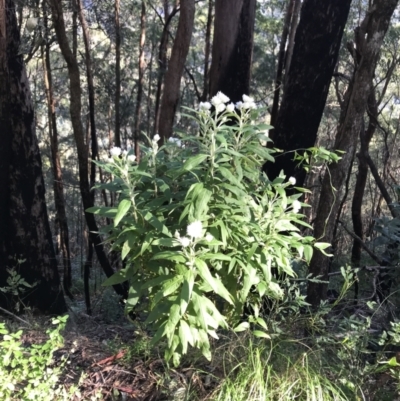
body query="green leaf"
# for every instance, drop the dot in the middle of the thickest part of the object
(194, 161)
(259, 333)
(216, 284)
(242, 327)
(169, 255)
(157, 224)
(123, 209)
(184, 331)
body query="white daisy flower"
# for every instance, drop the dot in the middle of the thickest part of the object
(230, 107)
(292, 181)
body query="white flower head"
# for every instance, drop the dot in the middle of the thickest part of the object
(292, 181)
(209, 237)
(115, 151)
(296, 205)
(124, 153)
(224, 98)
(230, 107)
(185, 241)
(215, 100)
(247, 99)
(156, 138)
(195, 229)
(219, 108)
(175, 141)
(205, 106)
(249, 105)
(131, 158)
(239, 105)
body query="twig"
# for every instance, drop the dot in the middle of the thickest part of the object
(14, 316)
(357, 238)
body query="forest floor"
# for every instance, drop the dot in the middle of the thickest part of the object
(114, 361)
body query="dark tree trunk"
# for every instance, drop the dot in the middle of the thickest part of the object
(25, 237)
(162, 61)
(356, 207)
(207, 51)
(142, 66)
(370, 38)
(232, 48)
(75, 111)
(176, 65)
(117, 133)
(58, 184)
(281, 60)
(317, 43)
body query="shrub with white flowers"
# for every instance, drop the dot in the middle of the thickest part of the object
(201, 228)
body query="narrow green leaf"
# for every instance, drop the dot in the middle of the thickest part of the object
(123, 209)
(194, 161)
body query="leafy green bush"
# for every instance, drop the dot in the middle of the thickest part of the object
(29, 373)
(200, 228)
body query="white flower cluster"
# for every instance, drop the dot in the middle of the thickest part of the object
(292, 181)
(219, 101)
(175, 141)
(193, 231)
(156, 138)
(116, 152)
(247, 104)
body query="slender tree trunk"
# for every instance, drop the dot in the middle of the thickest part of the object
(25, 237)
(292, 35)
(356, 208)
(75, 111)
(117, 133)
(162, 63)
(176, 66)
(232, 48)
(370, 38)
(207, 52)
(58, 184)
(281, 60)
(317, 42)
(142, 66)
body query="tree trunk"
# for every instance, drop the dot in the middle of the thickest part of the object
(370, 38)
(117, 133)
(75, 111)
(162, 62)
(25, 237)
(281, 60)
(232, 48)
(58, 184)
(176, 66)
(207, 48)
(142, 66)
(317, 43)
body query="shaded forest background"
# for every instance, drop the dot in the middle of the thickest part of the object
(104, 73)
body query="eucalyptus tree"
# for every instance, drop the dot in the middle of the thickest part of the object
(316, 47)
(369, 38)
(176, 65)
(232, 48)
(25, 239)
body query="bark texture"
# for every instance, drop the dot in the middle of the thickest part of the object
(370, 38)
(176, 66)
(25, 237)
(232, 49)
(317, 43)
